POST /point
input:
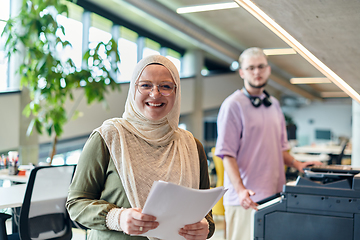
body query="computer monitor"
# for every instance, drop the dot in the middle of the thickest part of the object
(322, 134)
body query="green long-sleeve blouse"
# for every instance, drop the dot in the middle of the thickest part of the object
(96, 189)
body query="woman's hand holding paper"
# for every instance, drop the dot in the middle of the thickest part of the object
(133, 222)
(195, 231)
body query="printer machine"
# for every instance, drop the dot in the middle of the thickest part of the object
(322, 204)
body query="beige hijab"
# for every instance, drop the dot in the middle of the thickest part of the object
(145, 151)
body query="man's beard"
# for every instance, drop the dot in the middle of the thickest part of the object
(260, 86)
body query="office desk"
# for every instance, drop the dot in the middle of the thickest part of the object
(318, 149)
(4, 175)
(12, 196)
(311, 157)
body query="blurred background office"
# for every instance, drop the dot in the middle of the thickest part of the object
(311, 47)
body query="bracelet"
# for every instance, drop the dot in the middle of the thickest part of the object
(113, 219)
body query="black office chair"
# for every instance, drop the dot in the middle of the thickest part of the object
(43, 214)
(343, 145)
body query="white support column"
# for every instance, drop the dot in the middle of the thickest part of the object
(355, 156)
(193, 63)
(140, 47)
(86, 21)
(28, 145)
(14, 63)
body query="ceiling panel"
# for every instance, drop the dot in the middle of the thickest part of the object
(329, 29)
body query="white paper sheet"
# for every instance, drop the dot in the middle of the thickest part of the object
(175, 206)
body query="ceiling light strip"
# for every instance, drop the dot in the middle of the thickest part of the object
(285, 36)
(309, 80)
(279, 51)
(333, 95)
(207, 7)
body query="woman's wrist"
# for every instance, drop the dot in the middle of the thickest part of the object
(113, 219)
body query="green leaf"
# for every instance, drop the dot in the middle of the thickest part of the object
(49, 129)
(76, 115)
(41, 63)
(38, 125)
(27, 110)
(30, 127)
(58, 129)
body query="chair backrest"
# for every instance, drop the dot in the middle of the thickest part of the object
(43, 214)
(343, 145)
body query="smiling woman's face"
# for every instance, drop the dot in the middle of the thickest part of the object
(154, 106)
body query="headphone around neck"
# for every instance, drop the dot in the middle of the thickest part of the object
(256, 101)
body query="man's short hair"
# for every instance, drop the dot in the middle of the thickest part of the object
(251, 52)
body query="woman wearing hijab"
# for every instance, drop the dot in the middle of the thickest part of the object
(123, 157)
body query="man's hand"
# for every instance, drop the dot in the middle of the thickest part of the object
(301, 165)
(245, 200)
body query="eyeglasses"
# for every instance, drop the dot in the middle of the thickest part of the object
(164, 88)
(261, 67)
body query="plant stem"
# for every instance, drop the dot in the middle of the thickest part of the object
(53, 151)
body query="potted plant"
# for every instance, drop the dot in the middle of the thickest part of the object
(50, 80)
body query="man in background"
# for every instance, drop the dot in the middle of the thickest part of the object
(252, 142)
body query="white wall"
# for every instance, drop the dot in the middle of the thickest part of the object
(94, 115)
(335, 116)
(219, 87)
(91, 116)
(216, 89)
